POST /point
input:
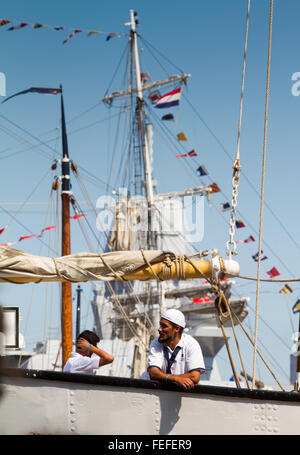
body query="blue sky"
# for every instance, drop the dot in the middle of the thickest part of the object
(206, 39)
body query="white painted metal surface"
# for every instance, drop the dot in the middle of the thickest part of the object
(55, 407)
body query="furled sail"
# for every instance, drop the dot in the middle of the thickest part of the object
(20, 267)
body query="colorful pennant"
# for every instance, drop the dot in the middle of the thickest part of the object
(145, 77)
(112, 35)
(154, 96)
(286, 289)
(39, 26)
(191, 153)
(214, 188)
(296, 307)
(4, 22)
(181, 137)
(273, 272)
(75, 217)
(239, 224)
(92, 32)
(42, 90)
(26, 237)
(168, 117)
(262, 256)
(202, 170)
(249, 239)
(225, 206)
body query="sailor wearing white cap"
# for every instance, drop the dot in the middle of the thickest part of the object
(174, 355)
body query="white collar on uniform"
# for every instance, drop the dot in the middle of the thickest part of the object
(180, 343)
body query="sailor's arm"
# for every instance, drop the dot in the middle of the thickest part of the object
(186, 380)
(104, 359)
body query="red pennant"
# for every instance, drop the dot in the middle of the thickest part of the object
(26, 237)
(75, 217)
(273, 272)
(191, 153)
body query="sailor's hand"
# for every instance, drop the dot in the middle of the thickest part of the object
(186, 383)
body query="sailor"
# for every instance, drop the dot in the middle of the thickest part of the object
(175, 356)
(82, 360)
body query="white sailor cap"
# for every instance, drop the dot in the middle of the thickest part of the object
(175, 316)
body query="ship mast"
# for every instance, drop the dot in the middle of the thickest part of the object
(66, 287)
(140, 112)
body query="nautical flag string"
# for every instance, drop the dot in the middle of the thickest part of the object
(47, 228)
(36, 26)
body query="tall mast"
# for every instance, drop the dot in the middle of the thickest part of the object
(66, 311)
(142, 129)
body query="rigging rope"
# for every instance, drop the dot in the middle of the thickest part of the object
(221, 299)
(258, 352)
(262, 190)
(270, 280)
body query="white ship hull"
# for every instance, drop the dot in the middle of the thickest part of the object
(65, 404)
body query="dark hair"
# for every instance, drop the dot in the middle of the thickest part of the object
(90, 336)
(177, 325)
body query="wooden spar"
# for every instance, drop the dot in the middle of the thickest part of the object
(66, 290)
(199, 269)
